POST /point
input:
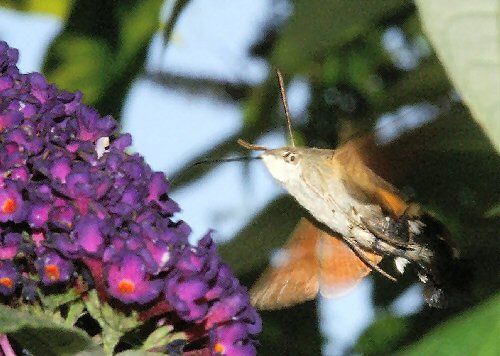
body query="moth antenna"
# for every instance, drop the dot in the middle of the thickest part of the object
(251, 146)
(285, 105)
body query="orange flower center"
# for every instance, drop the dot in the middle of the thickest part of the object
(219, 348)
(126, 286)
(52, 271)
(7, 282)
(9, 206)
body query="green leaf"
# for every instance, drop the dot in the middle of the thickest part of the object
(76, 310)
(43, 337)
(162, 337)
(474, 332)
(494, 211)
(158, 337)
(467, 41)
(315, 28)
(84, 64)
(59, 8)
(53, 301)
(114, 324)
(102, 56)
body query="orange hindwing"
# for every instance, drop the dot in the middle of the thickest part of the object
(311, 261)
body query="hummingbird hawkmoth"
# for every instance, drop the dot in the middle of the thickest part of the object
(357, 218)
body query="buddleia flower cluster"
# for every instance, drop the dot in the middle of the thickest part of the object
(77, 211)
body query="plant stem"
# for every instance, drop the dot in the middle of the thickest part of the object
(5, 346)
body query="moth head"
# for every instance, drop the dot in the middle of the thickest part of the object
(284, 163)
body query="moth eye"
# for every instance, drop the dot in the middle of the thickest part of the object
(290, 157)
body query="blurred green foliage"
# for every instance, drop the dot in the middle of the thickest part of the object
(474, 332)
(59, 8)
(448, 165)
(102, 49)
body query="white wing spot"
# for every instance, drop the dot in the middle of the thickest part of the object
(401, 264)
(423, 278)
(415, 226)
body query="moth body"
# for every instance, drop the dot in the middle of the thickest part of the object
(358, 218)
(362, 209)
(317, 181)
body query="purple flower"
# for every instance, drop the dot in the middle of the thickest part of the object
(62, 217)
(11, 203)
(227, 308)
(10, 119)
(82, 203)
(8, 277)
(202, 288)
(232, 339)
(10, 245)
(60, 168)
(89, 234)
(39, 214)
(160, 255)
(127, 281)
(91, 126)
(251, 319)
(224, 282)
(5, 83)
(188, 297)
(39, 87)
(53, 269)
(158, 188)
(8, 56)
(19, 174)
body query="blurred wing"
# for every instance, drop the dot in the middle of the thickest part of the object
(340, 268)
(311, 260)
(391, 201)
(365, 184)
(292, 277)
